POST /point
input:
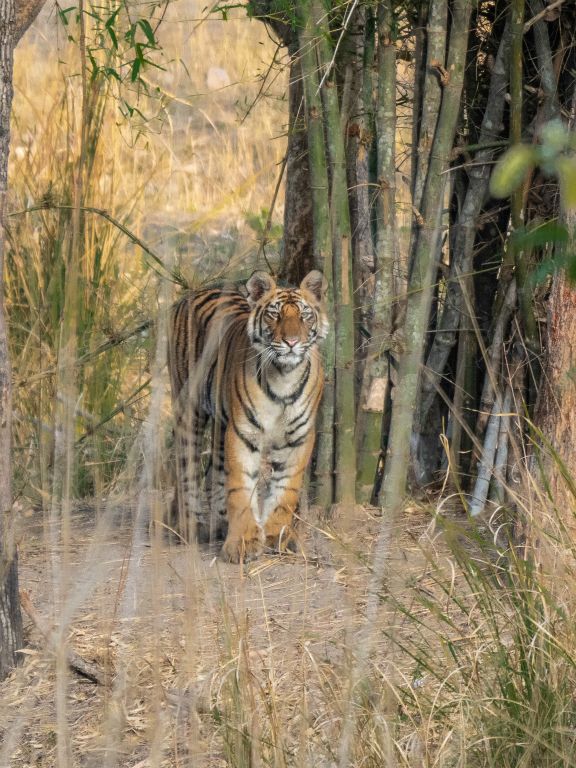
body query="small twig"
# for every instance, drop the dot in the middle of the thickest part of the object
(87, 669)
(268, 225)
(347, 17)
(105, 215)
(541, 15)
(106, 346)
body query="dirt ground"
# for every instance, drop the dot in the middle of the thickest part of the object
(204, 664)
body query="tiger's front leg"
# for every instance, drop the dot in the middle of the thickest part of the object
(188, 516)
(245, 536)
(288, 469)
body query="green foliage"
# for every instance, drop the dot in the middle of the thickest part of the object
(266, 231)
(554, 155)
(511, 169)
(492, 649)
(122, 44)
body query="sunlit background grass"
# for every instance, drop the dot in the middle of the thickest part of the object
(191, 173)
(458, 652)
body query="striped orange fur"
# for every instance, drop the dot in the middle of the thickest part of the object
(251, 366)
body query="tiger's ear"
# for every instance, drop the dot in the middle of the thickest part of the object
(259, 284)
(316, 284)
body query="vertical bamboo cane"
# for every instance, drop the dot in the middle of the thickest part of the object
(345, 447)
(425, 263)
(517, 198)
(436, 27)
(324, 476)
(375, 384)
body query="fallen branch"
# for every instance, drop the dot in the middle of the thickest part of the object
(87, 669)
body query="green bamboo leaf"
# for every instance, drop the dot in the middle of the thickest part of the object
(146, 27)
(550, 232)
(511, 169)
(63, 14)
(135, 71)
(113, 37)
(566, 169)
(571, 268)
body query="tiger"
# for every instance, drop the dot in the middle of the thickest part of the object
(251, 366)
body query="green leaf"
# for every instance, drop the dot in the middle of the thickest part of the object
(571, 268)
(566, 169)
(525, 239)
(135, 70)
(63, 14)
(511, 169)
(146, 27)
(113, 37)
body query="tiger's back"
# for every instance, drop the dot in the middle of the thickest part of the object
(251, 365)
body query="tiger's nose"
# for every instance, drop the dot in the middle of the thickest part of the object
(292, 341)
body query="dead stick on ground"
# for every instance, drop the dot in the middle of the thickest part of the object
(85, 668)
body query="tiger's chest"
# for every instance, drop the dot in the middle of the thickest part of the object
(277, 422)
(279, 409)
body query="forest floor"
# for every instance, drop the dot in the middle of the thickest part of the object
(205, 664)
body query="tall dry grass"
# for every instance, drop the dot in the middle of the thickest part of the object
(188, 174)
(458, 651)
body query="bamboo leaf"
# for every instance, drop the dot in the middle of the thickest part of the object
(511, 169)
(146, 27)
(549, 232)
(566, 169)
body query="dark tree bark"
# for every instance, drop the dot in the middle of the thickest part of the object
(556, 409)
(10, 617)
(298, 257)
(13, 23)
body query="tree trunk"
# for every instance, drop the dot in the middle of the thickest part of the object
(10, 618)
(13, 23)
(298, 257)
(556, 412)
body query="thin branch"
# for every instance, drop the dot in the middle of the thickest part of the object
(172, 275)
(540, 15)
(87, 669)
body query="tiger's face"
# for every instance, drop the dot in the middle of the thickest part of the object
(285, 323)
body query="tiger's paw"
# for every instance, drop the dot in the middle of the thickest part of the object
(237, 549)
(285, 541)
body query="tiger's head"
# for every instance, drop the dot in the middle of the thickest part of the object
(286, 323)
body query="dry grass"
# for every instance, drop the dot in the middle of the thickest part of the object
(455, 654)
(187, 181)
(204, 660)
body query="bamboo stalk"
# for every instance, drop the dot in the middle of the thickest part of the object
(517, 197)
(498, 487)
(464, 391)
(486, 467)
(421, 278)
(322, 247)
(376, 383)
(345, 449)
(493, 357)
(436, 27)
(548, 82)
(463, 250)
(10, 614)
